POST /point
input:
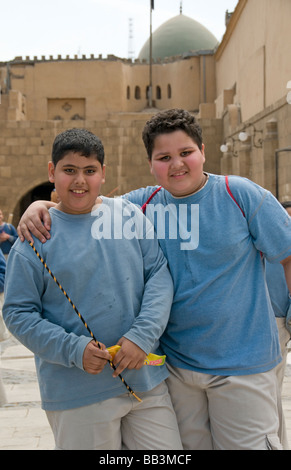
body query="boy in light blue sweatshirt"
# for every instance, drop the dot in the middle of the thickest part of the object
(221, 340)
(121, 286)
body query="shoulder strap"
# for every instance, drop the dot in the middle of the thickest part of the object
(144, 207)
(232, 196)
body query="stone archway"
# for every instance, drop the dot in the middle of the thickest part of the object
(39, 192)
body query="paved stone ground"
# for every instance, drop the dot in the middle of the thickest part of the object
(23, 424)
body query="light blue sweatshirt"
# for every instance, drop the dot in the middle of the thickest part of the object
(120, 284)
(221, 321)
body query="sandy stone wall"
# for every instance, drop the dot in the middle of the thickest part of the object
(25, 148)
(256, 157)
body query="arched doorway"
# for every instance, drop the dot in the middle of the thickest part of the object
(40, 192)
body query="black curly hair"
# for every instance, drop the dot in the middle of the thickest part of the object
(77, 140)
(169, 121)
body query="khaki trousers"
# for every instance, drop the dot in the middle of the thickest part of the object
(119, 423)
(3, 330)
(284, 337)
(225, 413)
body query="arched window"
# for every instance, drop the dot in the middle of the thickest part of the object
(158, 92)
(147, 92)
(137, 93)
(128, 93)
(169, 91)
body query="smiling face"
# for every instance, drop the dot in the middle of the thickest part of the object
(177, 163)
(78, 182)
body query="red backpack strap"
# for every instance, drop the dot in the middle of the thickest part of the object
(232, 196)
(143, 208)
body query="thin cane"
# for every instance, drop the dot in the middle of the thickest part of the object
(80, 316)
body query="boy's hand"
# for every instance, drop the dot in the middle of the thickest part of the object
(4, 236)
(36, 221)
(129, 356)
(94, 359)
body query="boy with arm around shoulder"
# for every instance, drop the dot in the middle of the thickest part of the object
(221, 340)
(124, 291)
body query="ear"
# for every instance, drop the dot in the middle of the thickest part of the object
(103, 174)
(150, 165)
(51, 172)
(203, 152)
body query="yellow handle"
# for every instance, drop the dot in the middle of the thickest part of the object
(150, 360)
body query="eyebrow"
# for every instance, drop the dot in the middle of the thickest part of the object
(68, 165)
(168, 152)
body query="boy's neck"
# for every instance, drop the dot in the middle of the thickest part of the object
(203, 183)
(97, 203)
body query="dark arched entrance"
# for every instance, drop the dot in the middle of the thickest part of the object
(41, 192)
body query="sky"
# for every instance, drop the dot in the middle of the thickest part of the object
(85, 27)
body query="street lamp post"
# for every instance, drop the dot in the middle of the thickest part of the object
(152, 6)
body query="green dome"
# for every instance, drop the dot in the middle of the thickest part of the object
(176, 36)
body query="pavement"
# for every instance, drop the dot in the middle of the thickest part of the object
(23, 424)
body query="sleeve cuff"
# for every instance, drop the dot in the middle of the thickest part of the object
(84, 341)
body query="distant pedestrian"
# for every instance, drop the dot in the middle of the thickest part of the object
(3, 398)
(54, 196)
(8, 235)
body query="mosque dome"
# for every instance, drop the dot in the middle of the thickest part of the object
(177, 36)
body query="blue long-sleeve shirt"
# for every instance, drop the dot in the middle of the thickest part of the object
(119, 282)
(2, 271)
(278, 290)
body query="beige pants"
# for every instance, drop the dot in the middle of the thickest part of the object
(3, 330)
(119, 423)
(284, 337)
(225, 413)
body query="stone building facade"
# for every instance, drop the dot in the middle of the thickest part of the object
(238, 91)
